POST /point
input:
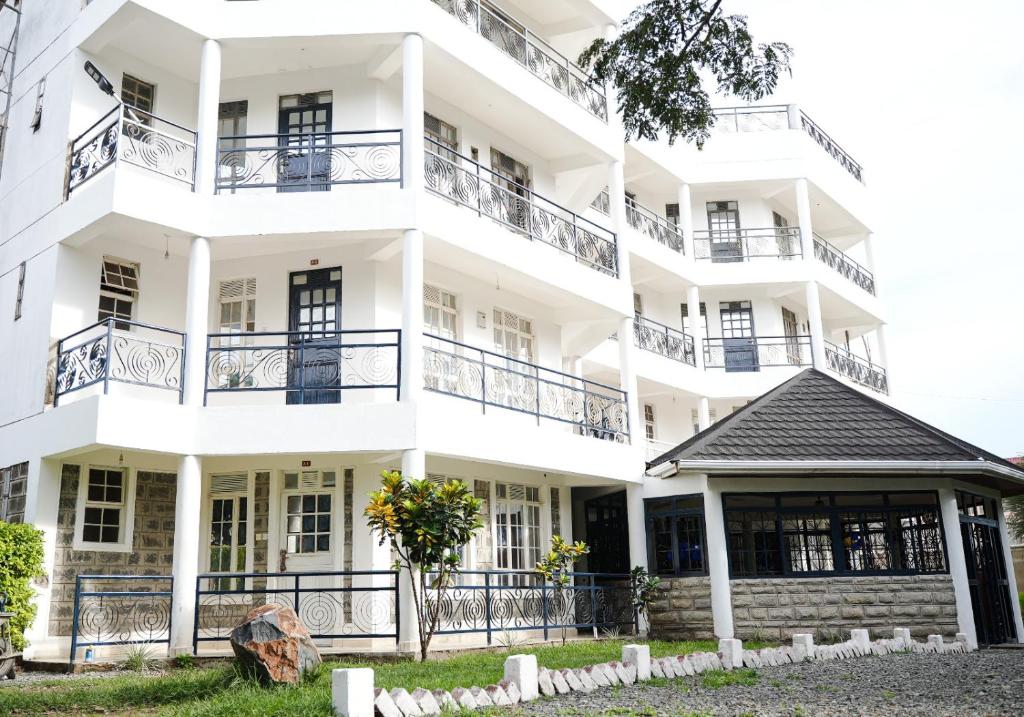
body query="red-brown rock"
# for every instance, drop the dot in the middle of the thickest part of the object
(273, 643)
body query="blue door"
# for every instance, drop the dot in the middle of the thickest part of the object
(738, 340)
(314, 308)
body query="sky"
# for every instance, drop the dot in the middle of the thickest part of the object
(929, 97)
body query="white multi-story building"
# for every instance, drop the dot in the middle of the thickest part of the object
(299, 243)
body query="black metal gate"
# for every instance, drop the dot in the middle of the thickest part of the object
(987, 577)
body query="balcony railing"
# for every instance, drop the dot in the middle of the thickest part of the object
(309, 162)
(118, 351)
(656, 227)
(463, 181)
(134, 137)
(120, 610)
(308, 368)
(835, 259)
(752, 353)
(661, 339)
(832, 147)
(492, 379)
(857, 369)
(656, 448)
(530, 51)
(734, 245)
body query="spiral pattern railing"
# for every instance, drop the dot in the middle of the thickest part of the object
(843, 264)
(301, 364)
(134, 137)
(333, 605)
(735, 245)
(492, 379)
(656, 227)
(120, 610)
(530, 51)
(750, 354)
(857, 369)
(661, 339)
(463, 181)
(309, 162)
(119, 351)
(490, 601)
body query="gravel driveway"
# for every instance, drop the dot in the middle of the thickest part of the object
(990, 682)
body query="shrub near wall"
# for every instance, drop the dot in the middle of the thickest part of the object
(21, 560)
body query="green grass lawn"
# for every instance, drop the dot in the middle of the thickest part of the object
(221, 691)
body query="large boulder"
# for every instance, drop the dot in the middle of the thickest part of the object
(273, 643)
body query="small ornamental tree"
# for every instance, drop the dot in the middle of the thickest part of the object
(425, 523)
(642, 587)
(557, 566)
(21, 560)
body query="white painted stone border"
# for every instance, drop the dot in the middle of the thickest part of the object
(354, 695)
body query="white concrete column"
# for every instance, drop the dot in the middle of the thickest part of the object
(617, 214)
(412, 317)
(636, 522)
(957, 565)
(793, 116)
(185, 566)
(207, 118)
(686, 220)
(704, 413)
(803, 216)
(627, 371)
(696, 325)
(627, 380)
(718, 561)
(816, 325)
(42, 499)
(869, 255)
(1004, 538)
(412, 111)
(414, 465)
(197, 316)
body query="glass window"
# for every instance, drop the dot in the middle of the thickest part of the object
(119, 287)
(649, 421)
(229, 521)
(308, 526)
(517, 523)
(442, 138)
(138, 95)
(440, 312)
(104, 506)
(808, 542)
(676, 535)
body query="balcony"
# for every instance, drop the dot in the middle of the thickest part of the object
(654, 448)
(847, 267)
(123, 352)
(137, 138)
(664, 340)
(737, 245)
(652, 225)
(734, 120)
(533, 53)
(308, 368)
(857, 369)
(459, 179)
(493, 380)
(753, 353)
(309, 162)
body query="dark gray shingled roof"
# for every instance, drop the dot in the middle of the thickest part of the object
(814, 417)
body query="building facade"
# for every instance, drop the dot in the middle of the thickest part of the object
(288, 250)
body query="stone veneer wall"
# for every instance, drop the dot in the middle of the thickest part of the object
(777, 608)
(682, 610)
(152, 542)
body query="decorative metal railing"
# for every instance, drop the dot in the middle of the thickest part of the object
(836, 259)
(515, 40)
(497, 601)
(732, 245)
(463, 181)
(656, 227)
(750, 354)
(751, 119)
(859, 370)
(491, 379)
(120, 610)
(661, 339)
(336, 605)
(832, 147)
(308, 368)
(134, 137)
(309, 162)
(114, 350)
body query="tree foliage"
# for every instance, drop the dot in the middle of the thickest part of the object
(21, 560)
(557, 566)
(643, 588)
(425, 523)
(665, 52)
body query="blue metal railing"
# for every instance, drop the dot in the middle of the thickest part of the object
(122, 616)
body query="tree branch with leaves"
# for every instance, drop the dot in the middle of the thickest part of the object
(663, 55)
(425, 524)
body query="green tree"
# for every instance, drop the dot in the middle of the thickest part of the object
(642, 591)
(666, 51)
(425, 523)
(557, 566)
(21, 560)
